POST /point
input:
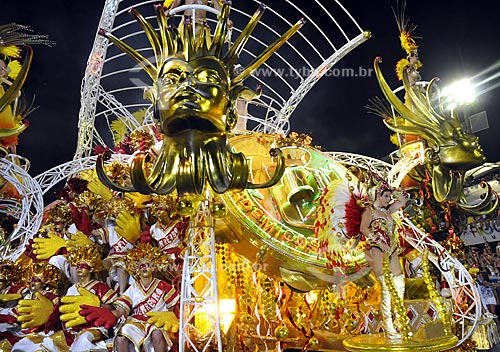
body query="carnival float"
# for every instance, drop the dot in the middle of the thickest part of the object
(192, 218)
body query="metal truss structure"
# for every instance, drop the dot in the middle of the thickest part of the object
(467, 302)
(199, 296)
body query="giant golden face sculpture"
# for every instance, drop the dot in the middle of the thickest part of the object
(450, 150)
(195, 87)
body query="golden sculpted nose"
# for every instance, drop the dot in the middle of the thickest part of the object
(187, 78)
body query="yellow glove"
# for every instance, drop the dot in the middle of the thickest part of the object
(78, 239)
(70, 307)
(34, 312)
(45, 248)
(138, 199)
(10, 297)
(97, 187)
(128, 226)
(166, 320)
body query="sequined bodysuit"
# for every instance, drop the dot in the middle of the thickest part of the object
(382, 234)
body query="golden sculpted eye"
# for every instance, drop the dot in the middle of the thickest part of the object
(207, 76)
(171, 77)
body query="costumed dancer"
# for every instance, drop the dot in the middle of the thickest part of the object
(147, 306)
(381, 235)
(38, 312)
(123, 227)
(55, 240)
(81, 335)
(169, 228)
(11, 291)
(355, 231)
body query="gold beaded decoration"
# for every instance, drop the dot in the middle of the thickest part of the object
(434, 295)
(399, 308)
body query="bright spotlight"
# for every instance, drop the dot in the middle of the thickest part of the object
(459, 93)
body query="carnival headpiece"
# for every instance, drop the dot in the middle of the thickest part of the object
(92, 201)
(161, 204)
(49, 275)
(116, 205)
(144, 251)
(59, 213)
(74, 185)
(89, 254)
(10, 270)
(406, 39)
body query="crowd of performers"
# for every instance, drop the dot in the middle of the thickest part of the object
(103, 265)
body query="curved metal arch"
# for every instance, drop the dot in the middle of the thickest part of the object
(29, 208)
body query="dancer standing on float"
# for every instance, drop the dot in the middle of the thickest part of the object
(357, 233)
(378, 227)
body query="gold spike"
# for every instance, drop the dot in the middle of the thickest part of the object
(220, 30)
(428, 97)
(187, 35)
(207, 42)
(419, 102)
(271, 49)
(150, 34)
(401, 108)
(166, 44)
(177, 43)
(141, 60)
(240, 42)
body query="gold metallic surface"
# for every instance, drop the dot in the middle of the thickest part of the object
(269, 230)
(451, 151)
(195, 89)
(379, 342)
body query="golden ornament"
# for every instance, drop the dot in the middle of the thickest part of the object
(246, 319)
(218, 210)
(185, 207)
(281, 332)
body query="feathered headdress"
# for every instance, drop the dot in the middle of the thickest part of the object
(406, 39)
(12, 37)
(337, 228)
(13, 110)
(116, 205)
(10, 270)
(161, 204)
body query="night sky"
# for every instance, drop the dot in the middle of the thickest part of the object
(459, 39)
